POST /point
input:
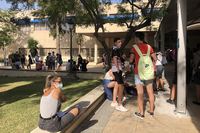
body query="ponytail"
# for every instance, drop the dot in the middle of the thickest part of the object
(49, 80)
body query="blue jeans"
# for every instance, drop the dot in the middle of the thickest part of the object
(143, 82)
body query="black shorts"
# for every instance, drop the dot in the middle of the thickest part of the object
(188, 77)
(118, 77)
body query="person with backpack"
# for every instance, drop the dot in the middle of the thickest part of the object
(189, 65)
(159, 70)
(197, 74)
(144, 72)
(117, 72)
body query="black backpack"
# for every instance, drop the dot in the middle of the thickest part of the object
(198, 68)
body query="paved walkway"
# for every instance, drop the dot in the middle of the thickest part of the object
(107, 119)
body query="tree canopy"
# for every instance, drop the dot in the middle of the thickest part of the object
(7, 27)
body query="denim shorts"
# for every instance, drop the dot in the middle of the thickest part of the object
(106, 82)
(159, 71)
(143, 82)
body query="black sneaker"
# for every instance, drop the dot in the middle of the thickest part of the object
(170, 101)
(151, 114)
(139, 115)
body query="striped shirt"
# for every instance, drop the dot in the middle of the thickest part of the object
(116, 54)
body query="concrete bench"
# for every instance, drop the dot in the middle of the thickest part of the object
(86, 104)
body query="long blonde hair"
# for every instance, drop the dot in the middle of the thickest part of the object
(50, 79)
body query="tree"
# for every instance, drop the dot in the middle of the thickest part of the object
(7, 27)
(32, 46)
(56, 11)
(79, 40)
(92, 15)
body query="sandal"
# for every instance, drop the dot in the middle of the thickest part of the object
(197, 103)
(162, 89)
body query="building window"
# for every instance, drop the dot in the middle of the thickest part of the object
(41, 27)
(25, 27)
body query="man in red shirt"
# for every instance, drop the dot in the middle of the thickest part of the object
(139, 37)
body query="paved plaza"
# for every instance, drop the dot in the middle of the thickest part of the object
(107, 119)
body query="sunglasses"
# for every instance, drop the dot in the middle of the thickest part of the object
(58, 81)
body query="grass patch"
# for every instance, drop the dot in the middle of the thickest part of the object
(20, 99)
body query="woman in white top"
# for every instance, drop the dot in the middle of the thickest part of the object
(159, 68)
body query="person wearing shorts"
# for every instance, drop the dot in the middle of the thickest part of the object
(196, 76)
(189, 63)
(50, 105)
(53, 59)
(139, 37)
(117, 72)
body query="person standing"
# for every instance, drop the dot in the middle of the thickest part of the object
(29, 62)
(23, 61)
(17, 58)
(48, 61)
(79, 62)
(197, 74)
(53, 59)
(117, 72)
(36, 59)
(189, 63)
(143, 49)
(59, 61)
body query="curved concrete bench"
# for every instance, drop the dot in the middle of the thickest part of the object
(86, 104)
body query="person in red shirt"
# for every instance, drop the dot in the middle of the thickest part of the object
(39, 66)
(139, 38)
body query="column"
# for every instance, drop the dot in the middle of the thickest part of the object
(95, 51)
(146, 37)
(162, 38)
(181, 56)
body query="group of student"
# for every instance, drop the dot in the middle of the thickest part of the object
(53, 61)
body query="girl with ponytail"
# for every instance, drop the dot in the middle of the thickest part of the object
(50, 104)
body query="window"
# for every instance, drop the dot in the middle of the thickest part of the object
(25, 27)
(41, 27)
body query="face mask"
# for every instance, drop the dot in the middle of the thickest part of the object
(118, 46)
(60, 86)
(135, 41)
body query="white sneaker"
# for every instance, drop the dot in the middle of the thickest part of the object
(128, 95)
(114, 104)
(121, 108)
(125, 98)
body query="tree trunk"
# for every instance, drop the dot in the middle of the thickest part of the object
(79, 49)
(57, 38)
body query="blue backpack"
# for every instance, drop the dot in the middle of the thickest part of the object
(108, 92)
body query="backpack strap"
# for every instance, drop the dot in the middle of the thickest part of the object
(139, 51)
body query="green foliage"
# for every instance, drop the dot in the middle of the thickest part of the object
(32, 46)
(7, 27)
(79, 39)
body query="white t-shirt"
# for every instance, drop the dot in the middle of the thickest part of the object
(68, 66)
(53, 57)
(36, 59)
(159, 59)
(107, 76)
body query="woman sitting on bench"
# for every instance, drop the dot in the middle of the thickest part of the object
(50, 104)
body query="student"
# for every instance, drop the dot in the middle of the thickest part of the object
(23, 61)
(79, 61)
(68, 66)
(197, 74)
(36, 59)
(159, 70)
(29, 62)
(117, 72)
(59, 61)
(139, 37)
(84, 65)
(48, 61)
(50, 104)
(53, 59)
(189, 63)
(39, 66)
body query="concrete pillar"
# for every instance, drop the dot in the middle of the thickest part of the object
(162, 39)
(146, 37)
(181, 56)
(95, 51)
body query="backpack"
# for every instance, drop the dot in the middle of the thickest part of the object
(164, 60)
(108, 92)
(198, 68)
(145, 65)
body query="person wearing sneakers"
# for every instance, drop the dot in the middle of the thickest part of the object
(144, 49)
(117, 72)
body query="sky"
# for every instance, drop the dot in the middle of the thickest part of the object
(5, 5)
